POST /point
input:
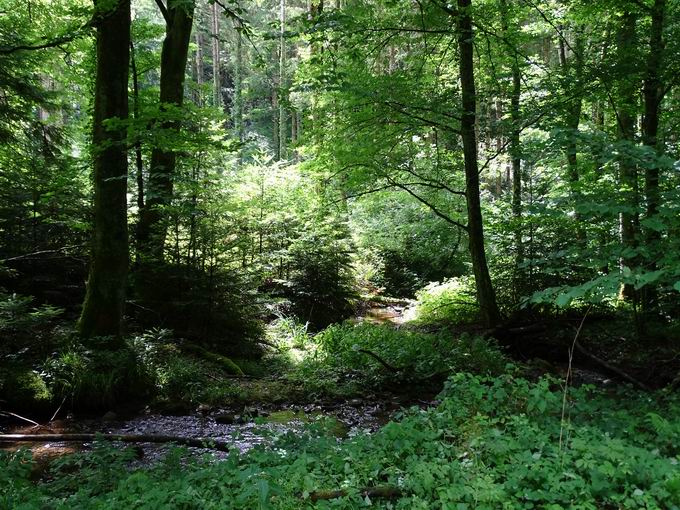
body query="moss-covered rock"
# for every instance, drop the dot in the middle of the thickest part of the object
(223, 362)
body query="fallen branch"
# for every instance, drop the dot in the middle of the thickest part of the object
(14, 415)
(124, 438)
(611, 368)
(379, 360)
(371, 492)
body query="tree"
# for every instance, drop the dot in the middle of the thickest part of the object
(486, 295)
(104, 303)
(150, 231)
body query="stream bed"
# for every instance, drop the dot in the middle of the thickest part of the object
(244, 428)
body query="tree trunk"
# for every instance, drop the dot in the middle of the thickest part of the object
(573, 73)
(151, 231)
(515, 143)
(105, 297)
(627, 114)
(653, 95)
(217, 77)
(238, 90)
(282, 79)
(199, 65)
(485, 291)
(138, 144)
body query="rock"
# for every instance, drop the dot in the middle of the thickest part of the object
(356, 402)
(175, 409)
(110, 416)
(225, 418)
(204, 409)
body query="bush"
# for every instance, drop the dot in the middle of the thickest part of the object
(93, 377)
(448, 303)
(340, 362)
(321, 284)
(217, 311)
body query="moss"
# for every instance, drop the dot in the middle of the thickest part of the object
(223, 362)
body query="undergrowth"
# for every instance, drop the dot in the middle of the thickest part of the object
(492, 443)
(339, 363)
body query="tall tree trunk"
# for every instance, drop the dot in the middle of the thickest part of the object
(627, 114)
(104, 303)
(515, 143)
(238, 89)
(139, 163)
(282, 79)
(573, 73)
(485, 291)
(174, 54)
(217, 74)
(199, 65)
(653, 95)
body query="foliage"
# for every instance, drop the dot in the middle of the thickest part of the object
(491, 443)
(321, 285)
(94, 376)
(338, 365)
(451, 302)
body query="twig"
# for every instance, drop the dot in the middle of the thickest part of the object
(14, 415)
(568, 376)
(57, 411)
(379, 359)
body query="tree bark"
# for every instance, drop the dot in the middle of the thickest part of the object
(104, 303)
(627, 114)
(485, 291)
(282, 79)
(151, 232)
(515, 142)
(138, 144)
(217, 75)
(652, 91)
(573, 73)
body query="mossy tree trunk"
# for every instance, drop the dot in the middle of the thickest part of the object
(105, 298)
(151, 230)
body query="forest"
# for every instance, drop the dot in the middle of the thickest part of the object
(286, 254)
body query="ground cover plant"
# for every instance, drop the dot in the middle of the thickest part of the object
(499, 442)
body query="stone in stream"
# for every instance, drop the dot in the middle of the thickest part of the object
(110, 416)
(204, 409)
(225, 418)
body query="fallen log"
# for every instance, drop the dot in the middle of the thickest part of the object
(371, 492)
(379, 360)
(611, 368)
(124, 438)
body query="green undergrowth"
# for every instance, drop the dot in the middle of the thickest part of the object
(448, 303)
(338, 362)
(492, 443)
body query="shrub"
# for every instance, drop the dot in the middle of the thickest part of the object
(95, 378)
(321, 284)
(447, 303)
(340, 362)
